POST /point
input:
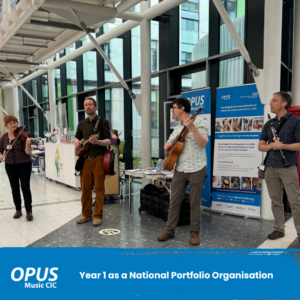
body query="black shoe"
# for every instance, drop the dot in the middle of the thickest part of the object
(29, 216)
(276, 235)
(17, 214)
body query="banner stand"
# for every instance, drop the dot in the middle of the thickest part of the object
(236, 188)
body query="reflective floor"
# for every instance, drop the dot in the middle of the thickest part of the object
(56, 208)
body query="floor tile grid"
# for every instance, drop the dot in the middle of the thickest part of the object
(49, 216)
(46, 219)
(53, 205)
(284, 242)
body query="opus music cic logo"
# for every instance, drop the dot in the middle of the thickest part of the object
(199, 100)
(38, 278)
(227, 97)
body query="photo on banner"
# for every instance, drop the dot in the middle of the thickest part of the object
(236, 187)
(202, 98)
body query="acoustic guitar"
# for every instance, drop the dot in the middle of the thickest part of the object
(173, 154)
(84, 146)
(110, 161)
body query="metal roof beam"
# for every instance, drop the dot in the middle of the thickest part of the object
(34, 37)
(43, 10)
(13, 53)
(22, 62)
(34, 45)
(58, 25)
(97, 10)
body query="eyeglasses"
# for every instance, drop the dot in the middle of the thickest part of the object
(273, 101)
(176, 107)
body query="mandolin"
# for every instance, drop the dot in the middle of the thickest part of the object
(177, 146)
(84, 146)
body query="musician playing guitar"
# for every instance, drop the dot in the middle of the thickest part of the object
(92, 172)
(189, 170)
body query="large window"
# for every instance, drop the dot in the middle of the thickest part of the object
(137, 123)
(136, 49)
(34, 90)
(231, 72)
(108, 105)
(67, 116)
(155, 117)
(136, 130)
(89, 67)
(193, 81)
(71, 77)
(194, 30)
(89, 70)
(114, 50)
(107, 53)
(117, 110)
(45, 92)
(236, 12)
(57, 79)
(38, 88)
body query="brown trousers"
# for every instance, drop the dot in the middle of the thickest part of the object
(275, 178)
(92, 174)
(179, 183)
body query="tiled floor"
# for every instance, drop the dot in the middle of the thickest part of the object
(286, 241)
(56, 207)
(53, 205)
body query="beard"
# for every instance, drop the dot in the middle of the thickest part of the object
(90, 112)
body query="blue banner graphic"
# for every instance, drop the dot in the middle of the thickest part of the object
(238, 126)
(153, 274)
(202, 98)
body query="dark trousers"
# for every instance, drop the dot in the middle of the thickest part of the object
(16, 174)
(179, 183)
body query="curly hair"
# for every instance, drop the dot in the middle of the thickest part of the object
(10, 118)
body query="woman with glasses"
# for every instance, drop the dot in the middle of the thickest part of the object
(17, 166)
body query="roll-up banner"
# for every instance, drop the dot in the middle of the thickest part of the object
(236, 187)
(202, 98)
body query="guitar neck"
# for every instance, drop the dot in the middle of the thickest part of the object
(87, 141)
(185, 130)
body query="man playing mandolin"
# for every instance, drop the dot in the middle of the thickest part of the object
(92, 172)
(189, 170)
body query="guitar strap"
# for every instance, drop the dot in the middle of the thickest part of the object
(96, 130)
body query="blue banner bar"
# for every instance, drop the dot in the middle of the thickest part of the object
(84, 273)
